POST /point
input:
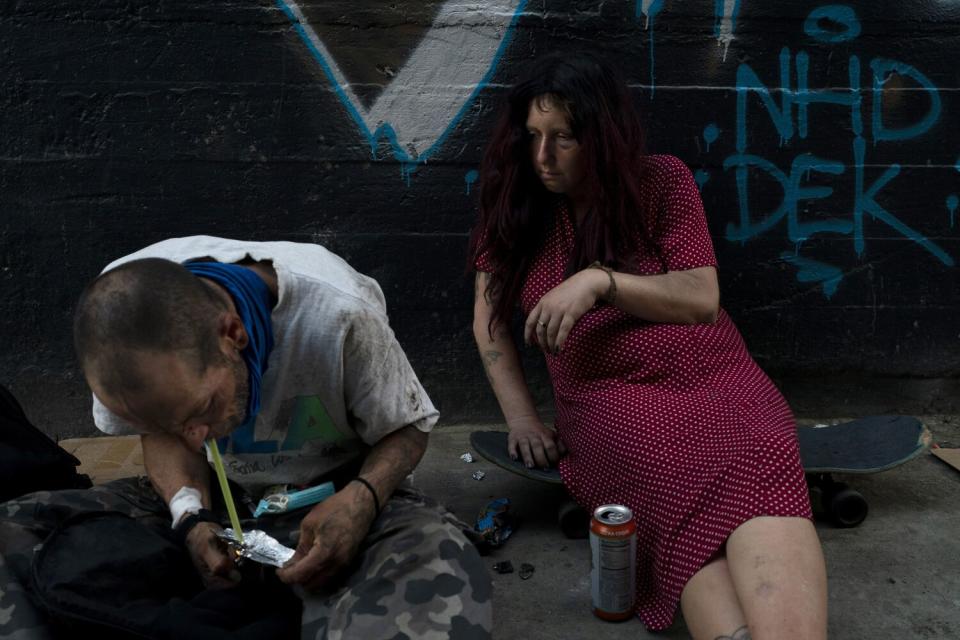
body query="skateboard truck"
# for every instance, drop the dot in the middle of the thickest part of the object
(836, 501)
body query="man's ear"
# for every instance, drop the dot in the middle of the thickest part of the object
(232, 332)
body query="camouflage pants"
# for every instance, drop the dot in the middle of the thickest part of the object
(415, 576)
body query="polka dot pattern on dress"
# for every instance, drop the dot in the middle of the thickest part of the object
(676, 422)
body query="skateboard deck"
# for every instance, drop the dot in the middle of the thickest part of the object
(867, 445)
(492, 445)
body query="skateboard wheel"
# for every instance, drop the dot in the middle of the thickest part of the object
(574, 520)
(847, 507)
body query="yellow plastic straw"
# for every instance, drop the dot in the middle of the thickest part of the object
(225, 487)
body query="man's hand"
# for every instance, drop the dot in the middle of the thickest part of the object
(534, 442)
(209, 555)
(329, 537)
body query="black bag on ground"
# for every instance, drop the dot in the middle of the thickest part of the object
(29, 460)
(106, 575)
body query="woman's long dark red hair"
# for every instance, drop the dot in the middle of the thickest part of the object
(517, 212)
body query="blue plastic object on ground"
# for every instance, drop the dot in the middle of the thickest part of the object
(288, 501)
(495, 522)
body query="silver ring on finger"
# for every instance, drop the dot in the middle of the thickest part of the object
(542, 323)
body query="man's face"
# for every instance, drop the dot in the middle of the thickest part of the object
(181, 401)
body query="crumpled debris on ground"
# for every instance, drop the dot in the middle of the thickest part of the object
(495, 523)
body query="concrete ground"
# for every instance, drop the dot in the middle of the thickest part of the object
(895, 576)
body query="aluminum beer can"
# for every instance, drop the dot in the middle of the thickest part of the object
(613, 561)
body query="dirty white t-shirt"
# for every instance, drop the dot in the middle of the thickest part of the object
(337, 380)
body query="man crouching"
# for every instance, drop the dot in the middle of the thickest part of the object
(283, 354)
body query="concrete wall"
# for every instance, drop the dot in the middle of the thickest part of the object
(824, 138)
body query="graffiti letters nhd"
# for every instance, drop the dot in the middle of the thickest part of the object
(790, 115)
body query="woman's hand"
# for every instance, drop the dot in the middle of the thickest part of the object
(559, 309)
(329, 537)
(534, 442)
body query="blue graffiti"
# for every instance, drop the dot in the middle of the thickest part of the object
(385, 131)
(788, 110)
(710, 134)
(725, 21)
(834, 14)
(721, 11)
(650, 12)
(813, 271)
(470, 177)
(882, 70)
(701, 176)
(793, 194)
(952, 202)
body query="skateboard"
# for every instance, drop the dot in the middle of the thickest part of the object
(867, 445)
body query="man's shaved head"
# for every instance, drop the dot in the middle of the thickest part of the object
(148, 305)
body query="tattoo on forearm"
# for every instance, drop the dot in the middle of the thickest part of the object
(743, 633)
(490, 358)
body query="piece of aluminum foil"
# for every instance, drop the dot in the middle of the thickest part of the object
(467, 457)
(258, 546)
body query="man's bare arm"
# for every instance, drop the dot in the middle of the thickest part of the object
(171, 465)
(392, 459)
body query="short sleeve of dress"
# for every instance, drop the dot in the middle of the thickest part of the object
(681, 231)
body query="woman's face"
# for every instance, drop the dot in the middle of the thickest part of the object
(554, 151)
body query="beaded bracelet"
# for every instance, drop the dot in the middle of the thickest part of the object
(611, 295)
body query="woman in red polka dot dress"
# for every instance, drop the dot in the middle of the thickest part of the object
(658, 404)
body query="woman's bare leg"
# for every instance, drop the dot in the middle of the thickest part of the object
(710, 605)
(780, 579)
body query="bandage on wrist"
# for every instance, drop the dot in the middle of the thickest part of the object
(186, 500)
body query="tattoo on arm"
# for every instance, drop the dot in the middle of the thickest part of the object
(743, 633)
(490, 358)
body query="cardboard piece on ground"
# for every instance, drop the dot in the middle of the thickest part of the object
(107, 458)
(950, 456)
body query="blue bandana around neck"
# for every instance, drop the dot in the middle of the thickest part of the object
(252, 299)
